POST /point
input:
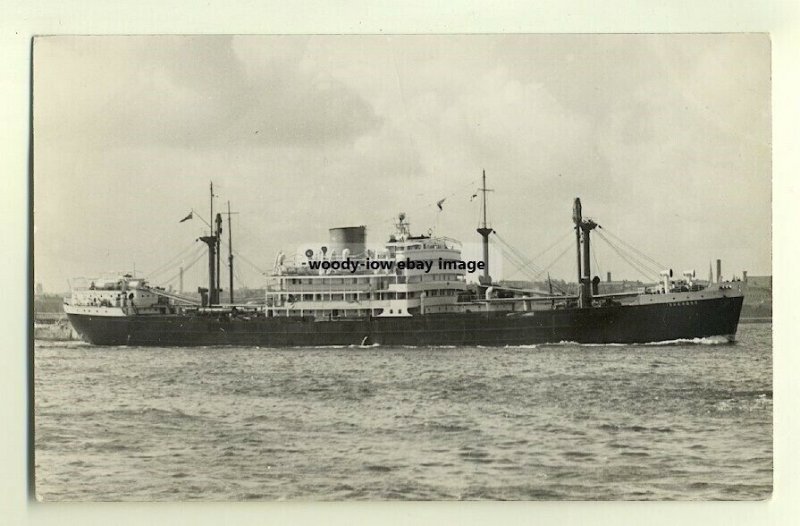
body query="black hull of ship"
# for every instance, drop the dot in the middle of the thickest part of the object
(613, 324)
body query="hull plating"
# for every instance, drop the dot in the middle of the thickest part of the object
(618, 324)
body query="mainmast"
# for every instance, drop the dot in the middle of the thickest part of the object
(484, 231)
(577, 218)
(218, 236)
(230, 253)
(584, 226)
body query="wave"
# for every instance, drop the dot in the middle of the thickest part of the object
(547, 345)
(69, 344)
(635, 428)
(708, 340)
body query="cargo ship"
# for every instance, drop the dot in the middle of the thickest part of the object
(412, 291)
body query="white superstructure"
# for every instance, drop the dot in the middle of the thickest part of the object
(333, 282)
(119, 296)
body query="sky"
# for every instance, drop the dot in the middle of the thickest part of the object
(665, 138)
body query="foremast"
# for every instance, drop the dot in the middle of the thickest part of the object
(211, 295)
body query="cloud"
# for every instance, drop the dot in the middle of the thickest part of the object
(186, 91)
(666, 134)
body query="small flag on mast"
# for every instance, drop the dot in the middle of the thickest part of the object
(187, 217)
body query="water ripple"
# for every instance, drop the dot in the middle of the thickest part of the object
(637, 422)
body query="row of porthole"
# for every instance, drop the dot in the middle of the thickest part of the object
(683, 303)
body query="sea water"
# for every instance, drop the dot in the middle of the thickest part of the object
(686, 420)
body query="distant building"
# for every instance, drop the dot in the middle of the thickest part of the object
(605, 287)
(611, 287)
(760, 282)
(757, 297)
(49, 320)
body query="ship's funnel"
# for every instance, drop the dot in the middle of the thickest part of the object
(352, 238)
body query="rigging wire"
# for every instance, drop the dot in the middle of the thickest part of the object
(522, 266)
(431, 204)
(658, 265)
(530, 261)
(535, 276)
(635, 266)
(478, 215)
(166, 266)
(197, 257)
(509, 254)
(626, 257)
(596, 264)
(237, 278)
(243, 258)
(543, 252)
(556, 260)
(517, 253)
(530, 274)
(185, 269)
(461, 189)
(651, 269)
(642, 260)
(537, 272)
